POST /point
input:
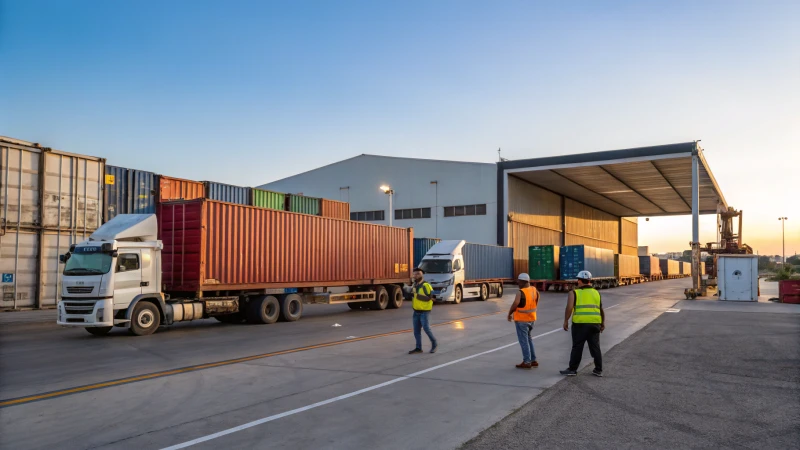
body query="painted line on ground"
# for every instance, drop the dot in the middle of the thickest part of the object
(341, 397)
(165, 373)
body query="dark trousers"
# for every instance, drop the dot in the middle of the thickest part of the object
(585, 332)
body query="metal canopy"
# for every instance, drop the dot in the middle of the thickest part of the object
(648, 181)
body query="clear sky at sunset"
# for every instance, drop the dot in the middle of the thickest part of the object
(249, 92)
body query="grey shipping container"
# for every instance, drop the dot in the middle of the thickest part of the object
(128, 191)
(670, 267)
(421, 247)
(575, 258)
(227, 193)
(488, 262)
(649, 266)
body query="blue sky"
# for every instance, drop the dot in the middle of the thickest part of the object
(248, 92)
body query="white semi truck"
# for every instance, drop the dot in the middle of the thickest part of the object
(458, 269)
(115, 277)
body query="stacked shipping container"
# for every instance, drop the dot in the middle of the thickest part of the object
(128, 191)
(48, 200)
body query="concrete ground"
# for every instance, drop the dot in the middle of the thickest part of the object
(713, 375)
(308, 384)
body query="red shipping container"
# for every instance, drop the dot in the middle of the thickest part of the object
(789, 291)
(791, 298)
(335, 209)
(171, 189)
(215, 246)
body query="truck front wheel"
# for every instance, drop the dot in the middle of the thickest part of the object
(459, 293)
(484, 292)
(145, 319)
(98, 331)
(291, 307)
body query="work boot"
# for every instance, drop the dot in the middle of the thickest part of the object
(524, 365)
(415, 351)
(569, 372)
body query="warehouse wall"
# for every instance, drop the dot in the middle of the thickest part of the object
(357, 180)
(589, 226)
(630, 236)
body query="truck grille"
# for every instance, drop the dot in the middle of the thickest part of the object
(80, 289)
(78, 308)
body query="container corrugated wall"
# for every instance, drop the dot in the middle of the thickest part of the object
(649, 266)
(128, 191)
(268, 199)
(421, 247)
(543, 262)
(575, 258)
(222, 192)
(173, 189)
(304, 205)
(47, 198)
(488, 262)
(686, 268)
(522, 236)
(626, 266)
(221, 246)
(334, 209)
(670, 266)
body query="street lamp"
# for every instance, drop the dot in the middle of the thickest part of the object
(783, 237)
(390, 192)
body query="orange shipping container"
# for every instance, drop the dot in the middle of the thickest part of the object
(214, 246)
(335, 209)
(171, 189)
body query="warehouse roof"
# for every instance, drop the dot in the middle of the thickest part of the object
(647, 181)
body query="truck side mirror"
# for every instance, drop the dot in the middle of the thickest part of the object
(121, 268)
(63, 258)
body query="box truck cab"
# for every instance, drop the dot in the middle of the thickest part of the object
(458, 270)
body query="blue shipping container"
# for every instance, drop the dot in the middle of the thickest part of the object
(128, 191)
(227, 193)
(488, 262)
(575, 258)
(421, 247)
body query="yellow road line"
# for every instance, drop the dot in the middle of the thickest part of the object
(166, 373)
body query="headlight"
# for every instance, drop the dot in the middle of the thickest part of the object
(447, 282)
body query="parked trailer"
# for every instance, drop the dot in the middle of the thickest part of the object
(670, 268)
(626, 270)
(598, 261)
(650, 268)
(458, 269)
(237, 263)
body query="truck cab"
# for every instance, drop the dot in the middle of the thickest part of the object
(444, 270)
(112, 271)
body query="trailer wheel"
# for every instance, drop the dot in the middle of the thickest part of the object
(459, 294)
(263, 309)
(291, 307)
(500, 290)
(145, 319)
(381, 299)
(98, 331)
(395, 296)
(484, 292)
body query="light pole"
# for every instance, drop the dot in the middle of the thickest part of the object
(390, 192)
(783, 237)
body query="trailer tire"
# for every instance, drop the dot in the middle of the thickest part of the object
(291, 307)
(484, 292)
(263, 309)
(145, 319)
(381, 299)
(98, 331)
(500, 290)
(395, 296)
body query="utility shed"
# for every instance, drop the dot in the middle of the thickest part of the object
(595, 198)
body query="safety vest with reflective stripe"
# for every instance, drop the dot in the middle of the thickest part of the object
(527, 313)
(587, 306)
(422, 305)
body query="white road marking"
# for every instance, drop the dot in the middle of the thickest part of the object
(341, 397)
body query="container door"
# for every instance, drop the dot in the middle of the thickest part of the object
(127, 276)
(738, 281)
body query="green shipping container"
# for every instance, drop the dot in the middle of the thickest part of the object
(543, 262)
(269, 199)
(303, 204)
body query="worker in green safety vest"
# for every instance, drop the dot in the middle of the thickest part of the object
(588, 321)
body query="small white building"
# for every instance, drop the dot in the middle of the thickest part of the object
(439, 199)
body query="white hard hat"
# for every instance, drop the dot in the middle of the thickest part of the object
(524, 277)
(584, 275)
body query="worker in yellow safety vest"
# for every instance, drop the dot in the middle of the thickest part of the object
(422, 302)
(588, 321)
(523, 313)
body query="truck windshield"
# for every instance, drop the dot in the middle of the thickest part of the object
(436, 266)
(88, 261)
